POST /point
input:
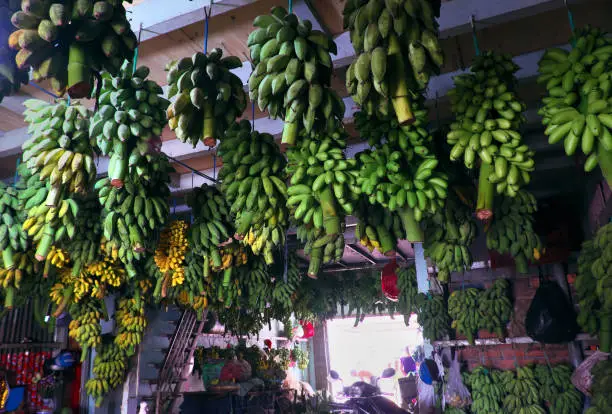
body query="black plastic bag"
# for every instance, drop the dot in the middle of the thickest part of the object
(551, 318)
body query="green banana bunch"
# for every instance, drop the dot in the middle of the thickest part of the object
(13, 238)
(511, 230)
(70, 42)
(600, 388)
(196, 283)
(487, 392)
(85, 326)
(576, 110)
(11, 77)
(256, 287)
(362, 295)
(20, 277)
(109, 368)
(463, 307)
(292, 74)
(321, 248)
(129, 122)
(131, 214)
(557, 390)
(211, 227)
(59, 149)
(84, 247)
(523, 393)
(397, 48)
(283, 290)
(207, 90)
(432, 315)
(408, 288)
(449, 233)
(489, 116)
(403, 182)
(495, 307)
(593, 287)
(253, 182)
(377, 228)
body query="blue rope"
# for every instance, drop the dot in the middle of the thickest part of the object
(253, 114)
(206, 16)
(215, 166)
(40, 88)
(290, 6)
(136, 50)
(474, 38)
(16, 169)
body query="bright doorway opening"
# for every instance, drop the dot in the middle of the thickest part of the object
(377, 343)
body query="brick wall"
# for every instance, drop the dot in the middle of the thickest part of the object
(505, 356)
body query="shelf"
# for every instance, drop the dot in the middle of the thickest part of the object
(497, 341)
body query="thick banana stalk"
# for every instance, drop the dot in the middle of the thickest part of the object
(486, 131)
(511, 230)
(70, 42)
(448, 236)
(292, 74)
(209, 97)
(253, 182)
(397, 52)
(576, 110)
(129, 123)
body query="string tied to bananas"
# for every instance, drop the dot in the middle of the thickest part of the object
(474, 37)
(207, 14)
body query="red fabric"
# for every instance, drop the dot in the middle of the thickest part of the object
(26, 365)
(308, 328)
(75, 389)
(388, 281)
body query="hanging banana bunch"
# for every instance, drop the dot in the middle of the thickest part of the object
(489, 116)
(253, 181)
(463, 307)
(11, 77)
(13, 239)
(131, 321)
(170, 252)
(129, 123)
(522, 394)
(432, 315)
(284, 290)
(496, 307)
(85, 325)
(409, 291)
(211, 227)
(449, 235)
(209, 97)
(511, 230)
(196, 288)
(593, 287)
(602, 400)
(556, 389)
(84, 247)
(576, 110)
(131, 214)
(256, 287)
(397, 51)
(70, 42)
(292, 74)
(109, 368)
(24, 269)
(487, 393)
(377, 228)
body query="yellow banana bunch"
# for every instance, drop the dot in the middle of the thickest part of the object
(85, 326)
(171, 250)
(24, 268)
(108, 271)
(131, 321)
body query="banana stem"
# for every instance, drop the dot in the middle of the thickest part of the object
(227, 276)
(158, 287)
(84, 350)
(164, 287)
(206, 269)
(209, 125)
(520, 262)
(486, 193)
(9, 297)
(387, 246)
(290, 132)
(605, 163)
(331, 222)
(79, 73)
(7, 258)
(44, 246)
(412, 228)
(66, 297)
(400, 94)
(315, 262)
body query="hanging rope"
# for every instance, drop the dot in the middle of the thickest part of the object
(474, 38)
(215, 166)
(192, 177)
(40, 88)
(207, 13)
(290, 6)
(136, 49)
(16, 171)
(253, 115)
(286, 270)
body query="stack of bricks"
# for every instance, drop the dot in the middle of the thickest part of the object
(506, 356)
